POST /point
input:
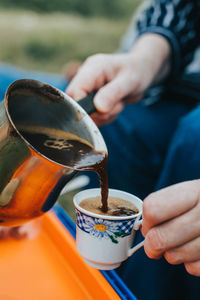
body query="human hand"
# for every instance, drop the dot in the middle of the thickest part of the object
(113, 76)
(120, 78)
(171, 225)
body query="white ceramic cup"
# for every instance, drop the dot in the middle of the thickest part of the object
(105, 241)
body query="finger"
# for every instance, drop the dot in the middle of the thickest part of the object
(91, 75)
(186, 253)
(193, 268)
(103, 119)
(173, 233)
(170, 202)
(78, 95)
(114, 92)
(82, 84)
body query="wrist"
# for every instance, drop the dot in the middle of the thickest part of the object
(154, 52)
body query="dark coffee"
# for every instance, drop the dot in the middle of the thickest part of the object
(116, 206)
(69, 150)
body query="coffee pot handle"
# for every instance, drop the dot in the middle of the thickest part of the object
(87, 103)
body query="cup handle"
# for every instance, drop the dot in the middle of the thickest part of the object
(138, 246)
(134, 249)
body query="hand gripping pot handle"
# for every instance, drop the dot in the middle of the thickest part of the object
(141, 244)
(87, 103)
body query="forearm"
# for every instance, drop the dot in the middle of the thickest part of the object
(154, 52)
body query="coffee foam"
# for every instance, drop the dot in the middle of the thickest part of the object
(116, 206)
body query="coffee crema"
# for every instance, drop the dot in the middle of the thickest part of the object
(116, 206)
(69, 150)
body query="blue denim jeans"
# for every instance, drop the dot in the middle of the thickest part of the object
(151, 147)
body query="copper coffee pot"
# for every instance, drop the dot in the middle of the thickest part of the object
(30, 182)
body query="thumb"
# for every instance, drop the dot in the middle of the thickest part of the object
(112, 93)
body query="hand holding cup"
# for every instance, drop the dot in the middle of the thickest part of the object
(171, 225)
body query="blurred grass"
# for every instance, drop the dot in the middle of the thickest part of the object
(111, 9)
(47, 41)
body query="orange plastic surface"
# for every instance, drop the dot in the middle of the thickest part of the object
(48, 267)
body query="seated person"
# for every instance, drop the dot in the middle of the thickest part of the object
(152, 143)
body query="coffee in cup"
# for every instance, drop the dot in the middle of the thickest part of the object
(116, 206)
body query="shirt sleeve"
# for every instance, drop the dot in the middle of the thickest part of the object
(179, 22)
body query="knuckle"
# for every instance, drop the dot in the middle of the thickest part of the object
(150, 208)
(136, 80)
(89, 59)
(95, 58)
(172, 258)
(149, 253)
(155, 240)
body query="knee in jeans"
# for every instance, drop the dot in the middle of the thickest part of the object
(189, 125)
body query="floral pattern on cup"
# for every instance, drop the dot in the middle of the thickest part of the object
(100, 228)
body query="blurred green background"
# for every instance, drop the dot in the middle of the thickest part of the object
(44, 35)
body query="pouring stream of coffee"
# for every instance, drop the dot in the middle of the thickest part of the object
(69, 150)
